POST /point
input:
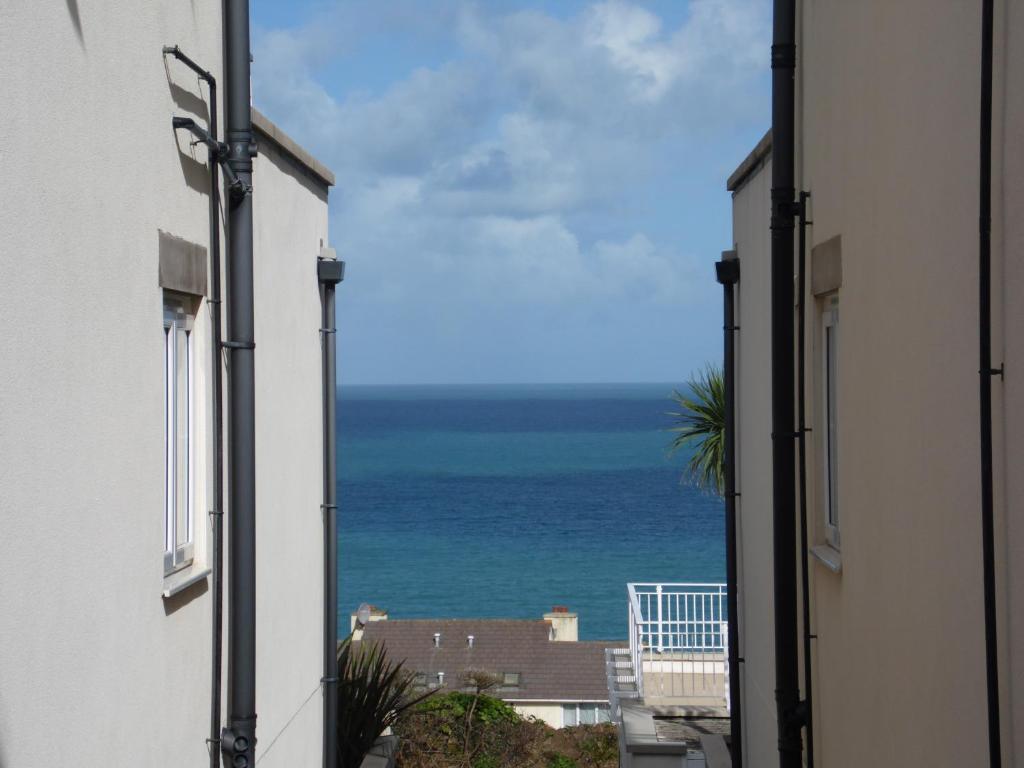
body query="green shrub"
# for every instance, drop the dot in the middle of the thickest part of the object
(600, 747)
(373, 692)
(487, 709)
(467, 730)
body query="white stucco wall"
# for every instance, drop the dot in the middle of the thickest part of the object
(97, 668)
(751, 214)
(546, 711)
(290, 211)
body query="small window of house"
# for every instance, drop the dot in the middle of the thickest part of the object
(419, 680)
(830, 463)
(588, 714)
(178, 433)
(569, 715)
(604, 713)
(510, 679)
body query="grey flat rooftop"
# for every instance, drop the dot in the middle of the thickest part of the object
(647, 733)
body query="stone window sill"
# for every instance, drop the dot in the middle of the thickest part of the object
(179, 582)
(828, 556)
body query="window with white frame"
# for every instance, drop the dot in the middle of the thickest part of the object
(178, 433)
(829, 379)
(581, 713)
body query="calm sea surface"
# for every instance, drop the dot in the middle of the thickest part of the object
(502, 501)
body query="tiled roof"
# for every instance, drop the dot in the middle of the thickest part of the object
(549, 670)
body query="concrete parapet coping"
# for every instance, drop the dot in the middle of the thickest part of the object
(750, 163)
(640, 736)
(289, 146)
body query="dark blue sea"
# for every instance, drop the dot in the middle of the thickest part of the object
(503, 501)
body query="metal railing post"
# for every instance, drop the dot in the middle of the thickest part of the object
(657, 592)
(723, 628)
(683, 639)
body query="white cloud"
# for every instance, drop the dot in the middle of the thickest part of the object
(631, 35)
(511, 173)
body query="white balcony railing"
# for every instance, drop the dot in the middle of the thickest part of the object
(678, 642)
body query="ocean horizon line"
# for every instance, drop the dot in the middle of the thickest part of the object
(520, 391)
(364, 385)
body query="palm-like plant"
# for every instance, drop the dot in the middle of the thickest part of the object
(701, 423)
(372, 693)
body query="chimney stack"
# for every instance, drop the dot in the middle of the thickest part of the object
(565, 626)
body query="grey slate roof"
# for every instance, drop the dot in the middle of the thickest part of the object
(549, 670)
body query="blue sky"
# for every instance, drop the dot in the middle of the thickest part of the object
(526, 191)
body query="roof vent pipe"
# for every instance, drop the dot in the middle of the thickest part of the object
(437, 640)
(469, 640)
(440, 679)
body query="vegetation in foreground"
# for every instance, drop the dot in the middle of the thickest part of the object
(474, 730)
(700, 423)
(372, 693)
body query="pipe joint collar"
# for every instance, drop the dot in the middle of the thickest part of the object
(238, 743)
(784, 56)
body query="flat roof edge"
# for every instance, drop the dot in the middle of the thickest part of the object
(750, 162)
(289, 146)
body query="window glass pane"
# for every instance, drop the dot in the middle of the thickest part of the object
(604, 714)
(181, 457)
(168, 442)
(568, 714)
(190, 482)
(588, 714)
(833, 506)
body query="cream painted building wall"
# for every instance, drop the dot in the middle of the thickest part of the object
(97, 668)
(553, 713)
(548, 712)
(887, 121)
(751, 209)
(290, 215)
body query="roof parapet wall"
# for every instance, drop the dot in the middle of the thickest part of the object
(750, 163)
(269, 130)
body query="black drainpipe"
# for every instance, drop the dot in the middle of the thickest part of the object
(727, 272)
(330, 272)
(801, 399)
(217, 513)
(238, 740)
(986, 372)
(790, 712)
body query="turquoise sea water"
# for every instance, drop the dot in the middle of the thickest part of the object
(502, 501)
